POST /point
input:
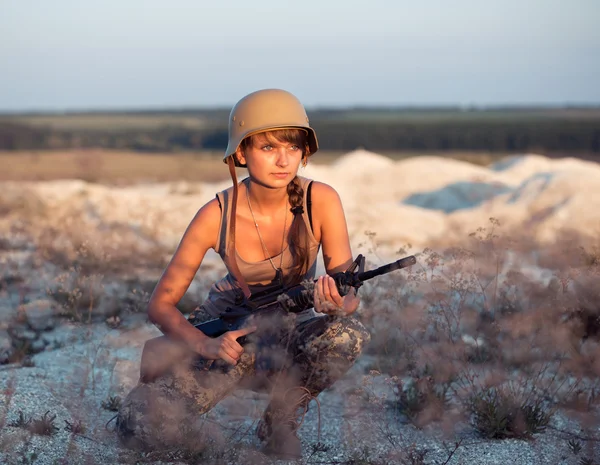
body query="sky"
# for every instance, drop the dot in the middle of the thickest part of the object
(148, 54)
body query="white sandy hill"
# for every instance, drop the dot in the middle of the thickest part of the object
(425, 199)
(421, 200)
(360, 173)
(370, 188)
(549, 202)
(519, 168)
(162, 210)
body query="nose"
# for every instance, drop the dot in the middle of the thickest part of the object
(282, 157)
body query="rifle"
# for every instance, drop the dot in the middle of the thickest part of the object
(159, 353)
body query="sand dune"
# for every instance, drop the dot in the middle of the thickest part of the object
(432, 199)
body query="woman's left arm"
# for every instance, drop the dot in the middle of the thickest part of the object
(330, 222)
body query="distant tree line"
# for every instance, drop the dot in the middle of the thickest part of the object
(542, 135)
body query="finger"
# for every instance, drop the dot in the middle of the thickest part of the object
(326, 305)
(333, 291)
(326, 290)
(242, 332)
(321, 288)
(234, 345)
(318, 296)
(226, 355)
(233, 353)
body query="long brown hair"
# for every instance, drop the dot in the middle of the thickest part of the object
(298, 235)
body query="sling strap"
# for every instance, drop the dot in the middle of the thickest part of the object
(230, 255)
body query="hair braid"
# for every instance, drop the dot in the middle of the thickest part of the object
(298, 235)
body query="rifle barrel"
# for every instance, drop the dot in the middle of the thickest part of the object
(398, 264)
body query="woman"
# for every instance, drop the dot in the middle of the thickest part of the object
(268, 230)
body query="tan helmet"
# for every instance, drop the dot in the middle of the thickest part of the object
(263, 110)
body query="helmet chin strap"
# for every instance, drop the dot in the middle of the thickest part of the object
(230, 253)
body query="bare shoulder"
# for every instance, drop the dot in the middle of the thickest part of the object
(204, 227)
(324, 195)
(327, 212)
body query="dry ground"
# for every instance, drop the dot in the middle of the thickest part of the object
(125, 167)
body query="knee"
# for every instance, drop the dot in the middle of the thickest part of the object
(350, 337)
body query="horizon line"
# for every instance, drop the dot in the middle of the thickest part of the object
(309, 108)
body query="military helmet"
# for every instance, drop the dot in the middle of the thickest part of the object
(267, 110)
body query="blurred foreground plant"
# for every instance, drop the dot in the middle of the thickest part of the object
(489, 329)
(502, 412)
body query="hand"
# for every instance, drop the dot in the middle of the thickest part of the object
(327, 298)
(225, 347)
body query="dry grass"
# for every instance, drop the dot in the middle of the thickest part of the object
(475, 332)
(110, 167)
(116, 167)
(110, 122)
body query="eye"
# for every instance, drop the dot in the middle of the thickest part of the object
(267, 147)
(294, 148)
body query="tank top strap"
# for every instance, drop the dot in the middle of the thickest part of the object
(223, 198)
(305, 183)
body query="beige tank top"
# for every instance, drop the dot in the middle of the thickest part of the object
(258, 275)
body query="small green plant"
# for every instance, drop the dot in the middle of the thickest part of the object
(137, 301)
(43, 426)
(414, 456)
(189, 452)
(319, 447)
(574, 446)
(21, 422)
(113, 404)
(361, 457)
(419, 396)
(77, 427)
(500, 413)
(79, 292)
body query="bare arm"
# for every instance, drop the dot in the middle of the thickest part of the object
(200, 235)
(329, 218)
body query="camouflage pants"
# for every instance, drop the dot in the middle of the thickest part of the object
(165, 412)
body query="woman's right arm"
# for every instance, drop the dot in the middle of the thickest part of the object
(199, 237)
